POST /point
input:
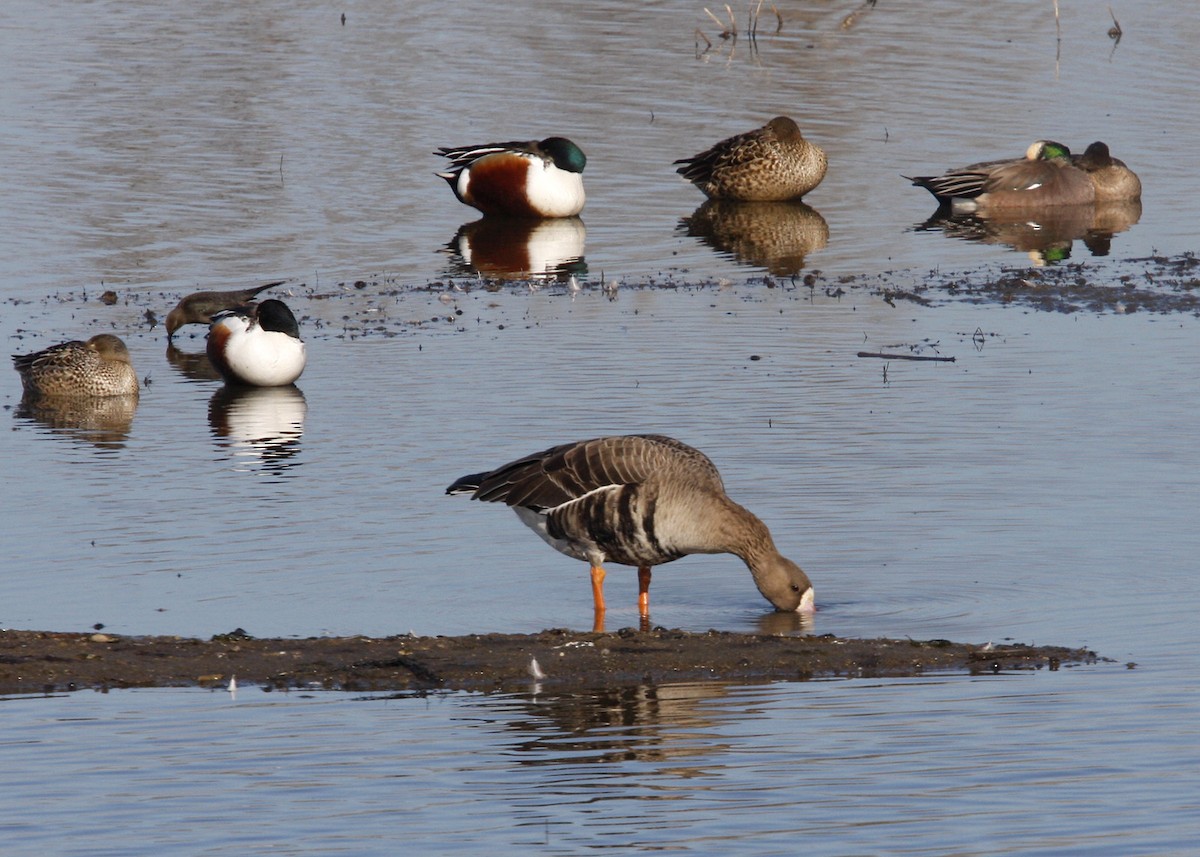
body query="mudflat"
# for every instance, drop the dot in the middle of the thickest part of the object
(53, 662)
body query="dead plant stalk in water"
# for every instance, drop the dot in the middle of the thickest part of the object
(727, 32)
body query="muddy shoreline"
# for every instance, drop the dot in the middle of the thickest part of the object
(370, 307)
(45, 662)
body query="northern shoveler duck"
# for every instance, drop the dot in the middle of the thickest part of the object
(1046, 176)
(769, 164)
(99, 367)
(639, 500)
(519, 179)
(1114, 182)
(257, 344)
(200, 307)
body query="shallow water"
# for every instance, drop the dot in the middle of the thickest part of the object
(923, 498)
(1012, 765)
(167, 145)
(1041, 487)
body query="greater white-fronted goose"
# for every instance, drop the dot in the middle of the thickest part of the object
(639, 500)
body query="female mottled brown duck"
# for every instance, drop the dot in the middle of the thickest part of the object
(769, 164)
(99, 367)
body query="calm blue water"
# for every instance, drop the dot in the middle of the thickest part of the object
(1027, 764)
(1040, 488)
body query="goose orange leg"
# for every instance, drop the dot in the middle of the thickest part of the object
(598, 598)
(644, 597)
(644, 590)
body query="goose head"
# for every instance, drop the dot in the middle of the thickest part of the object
(784, 584)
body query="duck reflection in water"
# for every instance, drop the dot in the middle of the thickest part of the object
(260, 426)
(195, 366)
(1047, 235)
(777, 236)
(520, 248)
(104, 422)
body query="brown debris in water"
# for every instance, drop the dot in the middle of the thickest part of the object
(52, 662)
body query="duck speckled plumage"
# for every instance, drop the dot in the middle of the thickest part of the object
(769, 164)
(1046, 176)
(1113, 181)
(200, 307)
(639, 500)
(99, 367)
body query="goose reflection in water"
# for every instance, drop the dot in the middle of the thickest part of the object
(104, 421)
(260, 426)
(776, 236)
(780, 624)
(647, 722)
(1046, 235)
(520, 248)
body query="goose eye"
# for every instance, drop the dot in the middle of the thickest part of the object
(795, 587)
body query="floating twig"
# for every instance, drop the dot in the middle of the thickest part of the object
(880, 355)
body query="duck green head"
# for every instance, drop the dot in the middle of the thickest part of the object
(1048, 150)
(565, 154)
